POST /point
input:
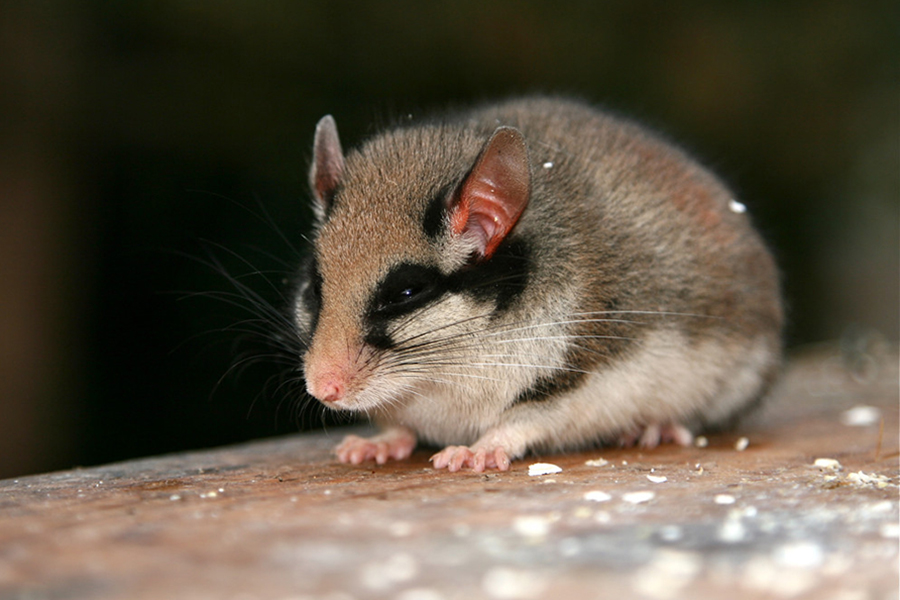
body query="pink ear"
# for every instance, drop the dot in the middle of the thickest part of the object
(494, 193)
(328, 161)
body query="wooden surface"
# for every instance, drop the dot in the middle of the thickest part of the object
(281, 519)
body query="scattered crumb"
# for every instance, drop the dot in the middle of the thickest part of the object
(638, 497)
(732, 531)
(174, 497)
(211, 494)
(597, 496)
(701, 442)
(741, 444)
(829, 464)
(532, 526)
(860, 478)
(548, 165)
(861, 416)
(799, 554)
(543, 469)
(602, 516)
(657, 478)
(597, 462)
(737, 207)
(582, 512)
(724, 499)
(890, 530)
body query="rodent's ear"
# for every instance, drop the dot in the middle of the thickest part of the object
(494, 194)
(328, 162)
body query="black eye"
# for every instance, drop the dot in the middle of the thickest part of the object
(406, 288)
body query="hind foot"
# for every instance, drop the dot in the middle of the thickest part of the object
(651, 436)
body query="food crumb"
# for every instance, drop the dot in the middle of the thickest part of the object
(548, 165)
(741, 444)
(724, 499)
(638, 497)
(597, 496)
(860, 478)
(532, 526)
(737, 207)
(537, 469)
(861, 416)
(657, 478)
(890, 530)
(597, 462)
(827, 463)
(701, 442)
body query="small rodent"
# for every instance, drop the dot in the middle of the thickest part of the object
(532, 275)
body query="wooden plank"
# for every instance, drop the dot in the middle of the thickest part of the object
(282, 519)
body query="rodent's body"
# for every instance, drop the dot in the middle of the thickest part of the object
(531, 275)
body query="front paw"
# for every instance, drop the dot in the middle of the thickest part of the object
(455, 458)
(397, 443)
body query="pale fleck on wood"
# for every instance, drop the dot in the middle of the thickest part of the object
(282, 519)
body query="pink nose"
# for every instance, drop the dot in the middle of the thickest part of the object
(328, 387)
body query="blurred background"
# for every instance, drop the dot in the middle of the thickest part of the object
(140, 141)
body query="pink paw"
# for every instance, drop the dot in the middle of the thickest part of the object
(455, 458)
(397, 443)
(650, 436)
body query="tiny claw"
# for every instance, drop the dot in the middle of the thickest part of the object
(501, 459)
(479, 461)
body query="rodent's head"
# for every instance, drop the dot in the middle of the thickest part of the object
(413, 250)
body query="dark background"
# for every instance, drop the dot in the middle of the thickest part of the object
(137, 135)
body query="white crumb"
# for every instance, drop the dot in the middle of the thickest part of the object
(701, 442)
(638, 497)
(800, 554)
(741, 444)
(861, 416)
(532, 526)
(724, 499)
(597, 496)
(829, 464)
(737, 207)
(597, 462)
(860, 478)
(732, 531)
(548, 165)
(657, 478)
(537, 469)
(890, 530)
